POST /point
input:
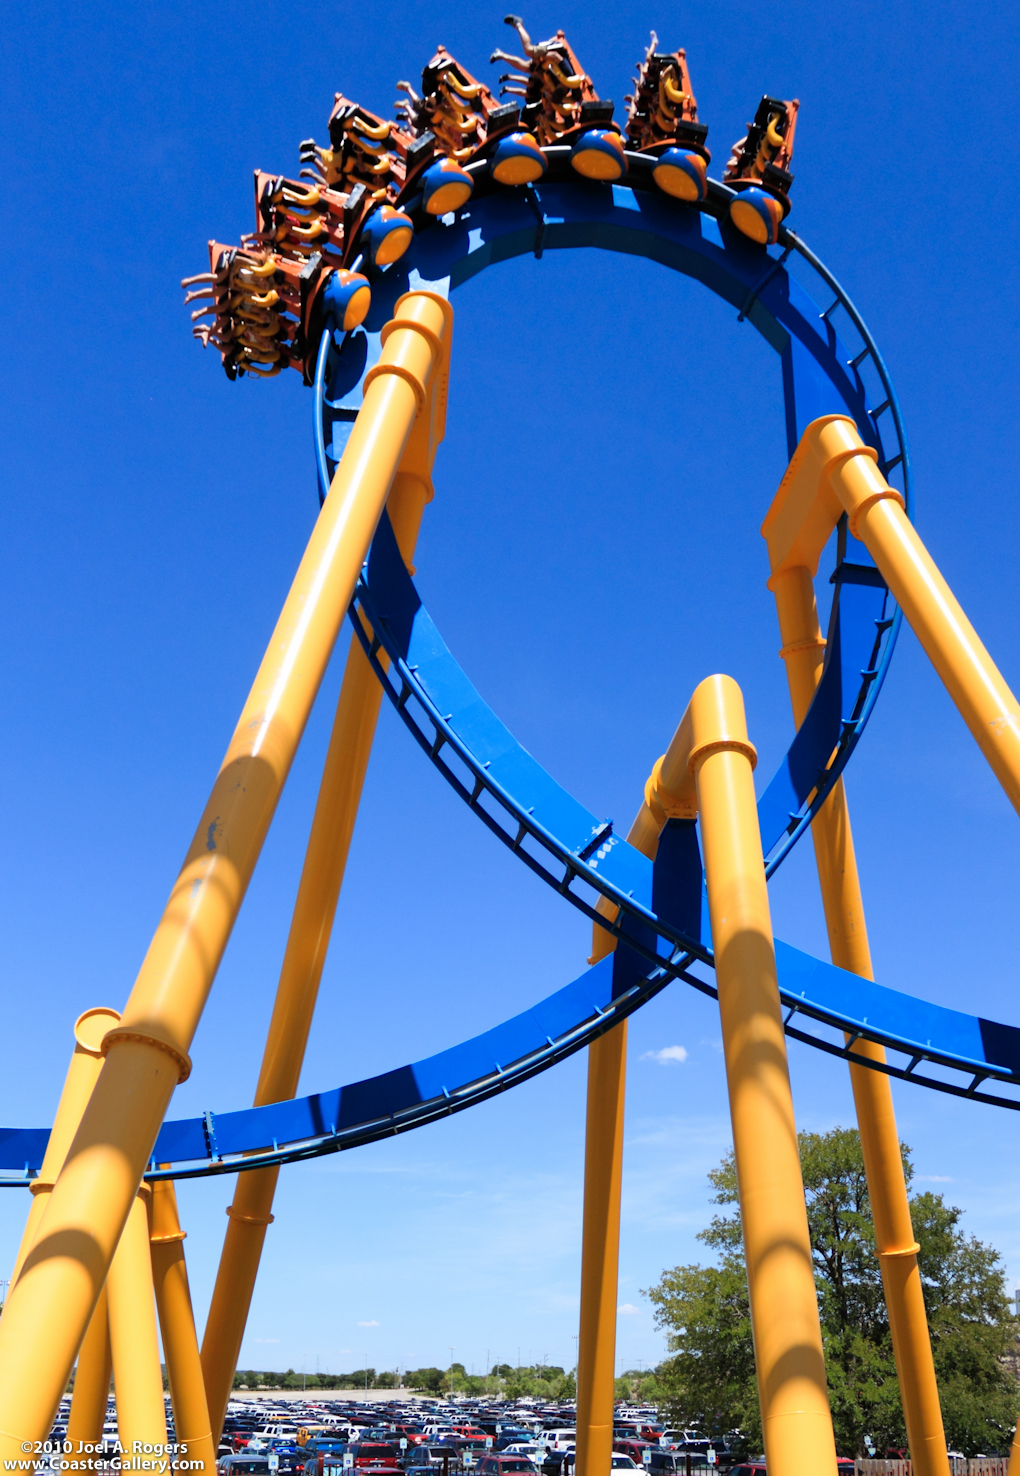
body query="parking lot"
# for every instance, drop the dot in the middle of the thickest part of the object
(433, 1437)
(284, 1434)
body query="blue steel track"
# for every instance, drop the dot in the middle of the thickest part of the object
(662, 927)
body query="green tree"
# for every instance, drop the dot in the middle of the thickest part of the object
(429, 1379)
(639, 1384)
(704, 1310)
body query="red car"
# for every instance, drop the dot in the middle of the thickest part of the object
(373, 1453)
(412, 1433)
(632, 1448)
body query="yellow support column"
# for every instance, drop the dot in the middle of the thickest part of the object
(91, 1382)
(1014, 1453)
(177, 1325)
(49, 1308)
(329, 842)
(92, 1376)
(82, 1075)
(603, 1150)
(832, 471)
(784, 1310)
(134, 1343)
(600, 1249)
(708, 768)
(803, 648)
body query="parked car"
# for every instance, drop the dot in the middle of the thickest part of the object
(374, 1453)
(528, 1449)
(620, 1462)
(471, 1449)
(320, 1454)
(560, 1439)
(557, 1462)
(500, 1465)
(675, 1461)
(242, 1465)
(633, 1448)
(511, 1435)
(844, 1465)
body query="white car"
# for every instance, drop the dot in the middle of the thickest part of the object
(533, 1453)
(559, 1440)
(624, 1463)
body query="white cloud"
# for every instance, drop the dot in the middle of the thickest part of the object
(668, 1056)
(627, 1309)
(265, 1340)
(934, 1178)
(368, 1324)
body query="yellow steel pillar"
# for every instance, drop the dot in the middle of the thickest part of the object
(329, 841)
(49, 1307)
(603, 1153)
(82, 1075)
(91, 1382)
(137, 1377)
(802, 652)
(832, 471)
(784, 1310)
(177, 1325)
(600, 1250)
(708, 767)
(92, 1377)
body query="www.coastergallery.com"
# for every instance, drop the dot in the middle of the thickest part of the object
(160, 1460)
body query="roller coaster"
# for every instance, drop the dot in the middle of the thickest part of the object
(348, 279)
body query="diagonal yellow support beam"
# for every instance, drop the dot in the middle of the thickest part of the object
(82, 1075)
(134, 1342)
(91, 1382)
(192, 1430)
(832, 472)
(336, 810)
(802, 652)
(49, 1308)
(92, 1377)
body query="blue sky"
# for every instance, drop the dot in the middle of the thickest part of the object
(614, 439)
